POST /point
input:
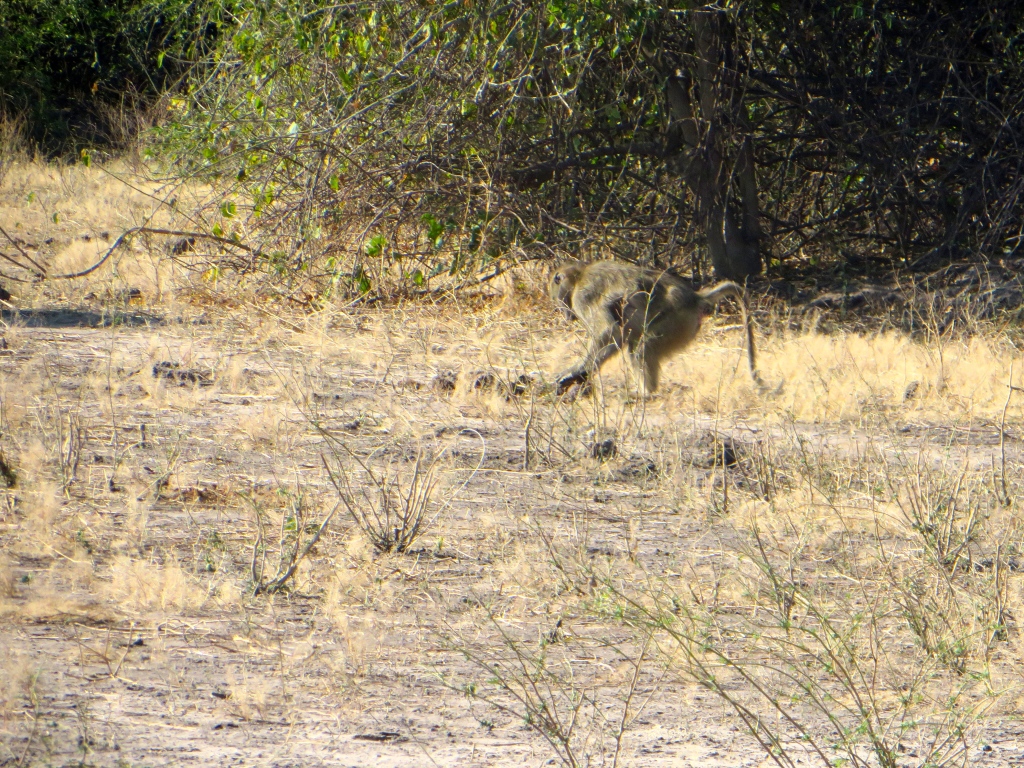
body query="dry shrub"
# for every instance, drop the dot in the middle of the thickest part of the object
(298, 533)
(389, 506)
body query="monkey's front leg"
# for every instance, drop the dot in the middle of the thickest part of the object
(585, 368)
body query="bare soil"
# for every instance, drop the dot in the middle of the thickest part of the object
(353, 666)
(152, 416)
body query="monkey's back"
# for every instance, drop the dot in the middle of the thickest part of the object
(653, 293)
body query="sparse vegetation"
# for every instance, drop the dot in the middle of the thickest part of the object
(283, 469)
(389, 508)
(831, 565)
(298, 535)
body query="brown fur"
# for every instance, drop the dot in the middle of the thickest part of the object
(643, 313)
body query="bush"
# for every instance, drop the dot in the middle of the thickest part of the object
(393, 146)
(68, 63)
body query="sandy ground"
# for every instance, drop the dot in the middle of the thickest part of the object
(149, 432)
(138, 668)
(274, 681)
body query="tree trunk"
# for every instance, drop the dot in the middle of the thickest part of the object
(697, 149)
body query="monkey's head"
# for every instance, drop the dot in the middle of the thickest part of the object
(563, 281)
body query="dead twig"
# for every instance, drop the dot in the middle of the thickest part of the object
(129, 233)
(1005, 500)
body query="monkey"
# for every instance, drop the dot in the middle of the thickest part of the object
(645, 314)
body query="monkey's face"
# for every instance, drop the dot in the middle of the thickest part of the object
(563, 281)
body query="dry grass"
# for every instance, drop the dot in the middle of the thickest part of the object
(645, 604)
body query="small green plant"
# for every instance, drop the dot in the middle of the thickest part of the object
(537, 684)
(292, 548)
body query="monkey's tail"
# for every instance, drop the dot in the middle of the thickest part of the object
(751, 351)
(728, 289)
(723, 290)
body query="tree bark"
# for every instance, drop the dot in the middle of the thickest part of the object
(731, 225)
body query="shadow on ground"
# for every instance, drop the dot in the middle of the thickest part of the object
(77, 318)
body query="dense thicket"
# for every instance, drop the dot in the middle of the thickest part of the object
(75, 70)
(449, 137)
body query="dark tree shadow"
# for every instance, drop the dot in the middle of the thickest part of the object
(77, 318)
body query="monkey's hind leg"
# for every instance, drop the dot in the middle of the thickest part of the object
(649, 362)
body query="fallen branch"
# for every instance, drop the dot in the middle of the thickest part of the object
(129, 233)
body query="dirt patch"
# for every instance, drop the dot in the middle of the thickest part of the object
(131, 612)
(702, 578)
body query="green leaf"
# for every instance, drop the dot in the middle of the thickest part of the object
(228, 209)
(376, 244)
(334, 183)
(435, 230)
(217, 230)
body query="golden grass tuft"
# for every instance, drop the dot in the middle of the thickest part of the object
(842, 377)
(142, 587)
(17, 678)
(7, 578)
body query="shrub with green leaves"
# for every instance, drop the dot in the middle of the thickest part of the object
(67, 62)
(378, 146)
